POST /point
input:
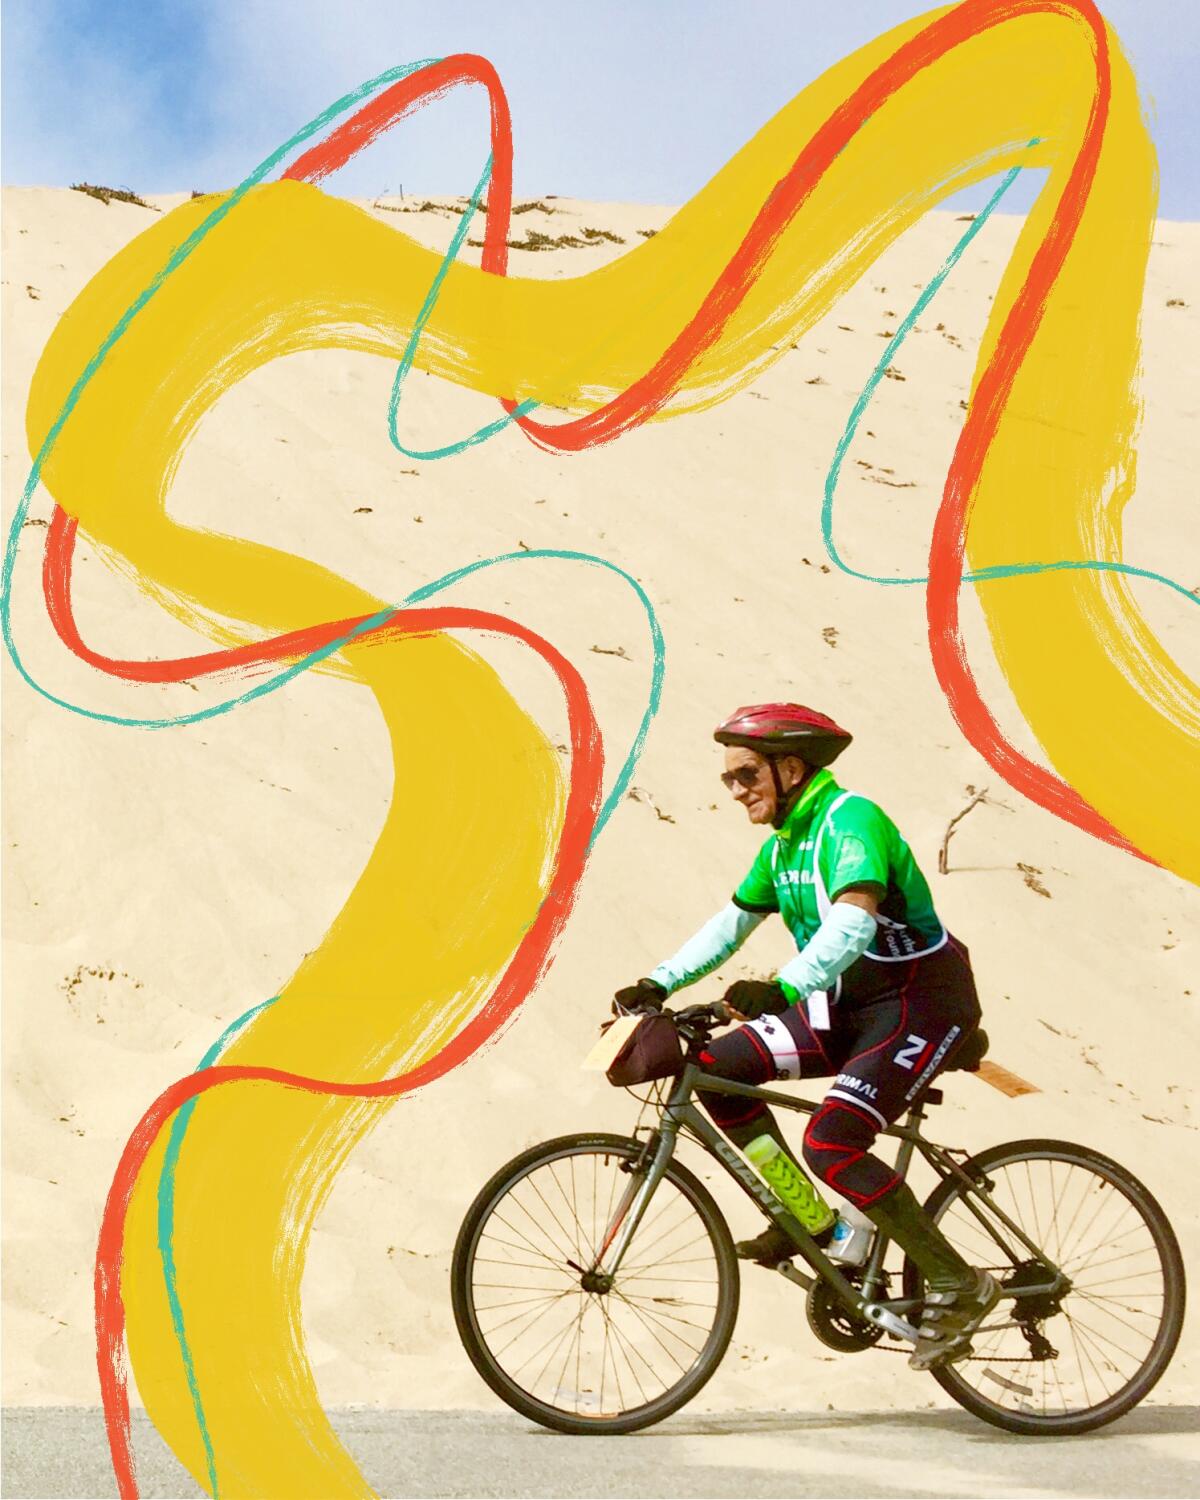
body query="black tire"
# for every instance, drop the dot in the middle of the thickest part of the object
(646, 1319)
(1144, 1255)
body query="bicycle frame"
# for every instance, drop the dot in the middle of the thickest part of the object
(680, 1113)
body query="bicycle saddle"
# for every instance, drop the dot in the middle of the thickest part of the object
(970, 1054)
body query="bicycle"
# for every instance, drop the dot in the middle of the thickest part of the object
(589, 1309)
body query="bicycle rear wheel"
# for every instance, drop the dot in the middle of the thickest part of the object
(548, 1336)
(1070, 1362)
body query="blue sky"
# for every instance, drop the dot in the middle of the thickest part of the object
(609, 100)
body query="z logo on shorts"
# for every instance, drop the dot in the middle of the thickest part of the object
(910, 1052)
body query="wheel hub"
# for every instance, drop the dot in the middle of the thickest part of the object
(1042, 1305)
(599, 1282)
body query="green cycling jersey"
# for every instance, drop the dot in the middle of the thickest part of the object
(833, 839)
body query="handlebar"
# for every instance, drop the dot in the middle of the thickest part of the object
(696, 1023)
(716, 1013)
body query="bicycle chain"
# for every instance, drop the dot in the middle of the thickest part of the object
(974, 1359)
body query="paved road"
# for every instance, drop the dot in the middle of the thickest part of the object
(60, 1452)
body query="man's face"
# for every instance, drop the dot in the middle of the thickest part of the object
(748, 777)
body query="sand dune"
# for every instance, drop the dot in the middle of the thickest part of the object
(160, 884)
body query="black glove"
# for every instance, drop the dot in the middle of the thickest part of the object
(647, 995)
(756, 997)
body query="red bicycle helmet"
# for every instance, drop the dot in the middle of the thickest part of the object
(784, 729)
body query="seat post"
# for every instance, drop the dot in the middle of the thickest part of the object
(904, 1154)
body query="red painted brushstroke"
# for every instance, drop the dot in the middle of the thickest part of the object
(529, 962)
(625, 411)
(947, 542)
(650, 392)
(411, 94)
(56, 586)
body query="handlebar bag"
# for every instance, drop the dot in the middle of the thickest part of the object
(652, 1051)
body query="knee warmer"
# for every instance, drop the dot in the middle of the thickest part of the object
(836, 1151)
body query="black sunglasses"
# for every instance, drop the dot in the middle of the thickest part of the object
(746, 776)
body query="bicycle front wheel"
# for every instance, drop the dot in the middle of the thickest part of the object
(551, 1333)
(1070, 1361)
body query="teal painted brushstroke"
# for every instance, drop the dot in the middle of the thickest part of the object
(410, 352)
(166, 1182)
(179, 1127)
(166, 1185)
(174, 261)
(657, 641)
(166, 1232)
(979, 575)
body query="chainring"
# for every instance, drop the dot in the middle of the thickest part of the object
(834, 1324)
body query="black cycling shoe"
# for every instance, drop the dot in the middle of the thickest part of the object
(774, 1245)
(948, 1321)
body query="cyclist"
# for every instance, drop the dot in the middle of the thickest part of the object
(880, 995)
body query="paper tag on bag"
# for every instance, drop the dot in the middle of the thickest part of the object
(600, 1058)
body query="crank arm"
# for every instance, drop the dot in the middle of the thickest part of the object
(798, 1278)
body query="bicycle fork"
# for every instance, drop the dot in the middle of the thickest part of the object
(631, 1207)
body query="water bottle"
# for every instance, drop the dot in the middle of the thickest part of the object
(791, 1185)
(852, 1236)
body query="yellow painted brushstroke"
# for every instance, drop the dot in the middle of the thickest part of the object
(448, 891)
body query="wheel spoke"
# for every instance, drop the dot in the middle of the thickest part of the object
(1114, 1260)
(659, 1312)
(572, 1241)
(653, 1334)
(572, 1344)
(528, 1243)
(562, 1252)
(644, 1248)
(1101, 1205)
(1122, 1279)
(1124, 1322)
(1087, 1395)
(686, 1260)
(1092, 1349)
(527, 1313)
(529, 1358)
(581, 1238)
(554, 1342)
(610, 1350)
(629, 1349)
(1097, 1339)
(1108, 1239)
(1078, 1286)
(513, 1286)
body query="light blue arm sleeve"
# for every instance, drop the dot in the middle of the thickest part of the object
(708, 949)
(844, 935)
